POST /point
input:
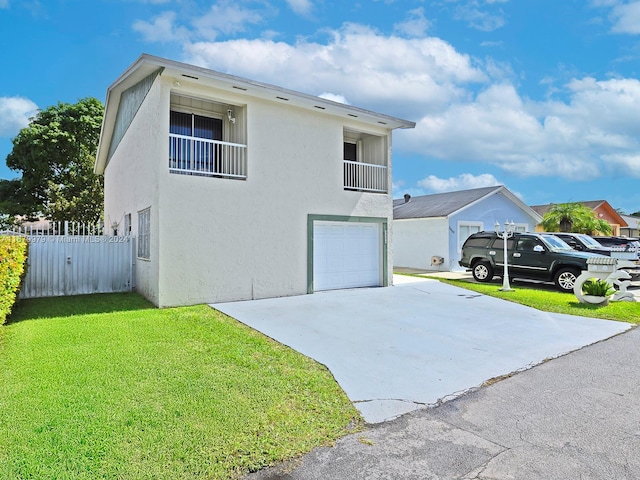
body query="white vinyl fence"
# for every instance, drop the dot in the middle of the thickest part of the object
(86, 262)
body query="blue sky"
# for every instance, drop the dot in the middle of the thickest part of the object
(542, 96)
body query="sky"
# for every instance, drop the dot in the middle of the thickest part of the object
(542, 96)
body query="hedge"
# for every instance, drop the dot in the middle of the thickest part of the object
(13, 259)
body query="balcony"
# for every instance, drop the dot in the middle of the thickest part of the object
(365, 177)
(202, 157)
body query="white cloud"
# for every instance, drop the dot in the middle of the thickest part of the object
(625, 164)
(480, 18)
(399, 76)
(14, 114)
(334, 97)
(626, 18)
(607, 106)
(464, 181)
(415, 25)
(4, 3)
(301, 7)
(162, 28)
(496, 123)
(399, 189)
(594, 131)
(226, 17)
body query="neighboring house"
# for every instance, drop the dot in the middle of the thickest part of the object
(237, 189)
(41, 225)
(601, 209)
(633, 226)
(428, 231)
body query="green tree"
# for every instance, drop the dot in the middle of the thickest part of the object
(574, 217)
(55, 155)
(9, 204)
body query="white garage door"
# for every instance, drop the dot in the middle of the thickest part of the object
(346, 255)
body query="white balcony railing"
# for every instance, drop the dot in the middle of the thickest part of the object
(199, 156)
(365, 177)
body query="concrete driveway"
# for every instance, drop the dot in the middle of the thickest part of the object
(397, 349)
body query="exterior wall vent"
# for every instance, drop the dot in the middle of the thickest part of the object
(436, 260)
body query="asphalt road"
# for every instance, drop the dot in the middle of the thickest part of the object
(574, 417)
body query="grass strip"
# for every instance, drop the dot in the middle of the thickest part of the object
(105, 386)
(553, 301)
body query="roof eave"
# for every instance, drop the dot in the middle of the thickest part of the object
(507, 193)
(146, 64)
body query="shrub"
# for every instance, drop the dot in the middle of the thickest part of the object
(597, 287)
(13, 259)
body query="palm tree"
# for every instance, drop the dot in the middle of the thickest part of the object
(574, 217)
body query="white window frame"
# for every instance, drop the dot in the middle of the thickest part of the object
(358, 144)
(144, 234)
(460, 240)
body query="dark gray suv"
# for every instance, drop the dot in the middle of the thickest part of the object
(531, 256)
(583, 243)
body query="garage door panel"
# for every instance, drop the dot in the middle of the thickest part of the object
(346, 255)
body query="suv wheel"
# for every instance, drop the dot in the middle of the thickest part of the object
(482, 272)
(565, 279)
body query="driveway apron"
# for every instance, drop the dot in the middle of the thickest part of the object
(419, 343)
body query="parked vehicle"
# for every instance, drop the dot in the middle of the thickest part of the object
(627, 243)
(624, 248)
(531, 256)
(583, 243)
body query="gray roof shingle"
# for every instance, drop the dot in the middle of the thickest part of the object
(439, 204)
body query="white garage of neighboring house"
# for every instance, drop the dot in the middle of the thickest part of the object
(429, 230)
(236, 189)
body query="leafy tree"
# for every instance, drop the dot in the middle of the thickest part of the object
(574, 217)
(9, 205)
(55, 155)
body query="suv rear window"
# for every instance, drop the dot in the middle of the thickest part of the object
(473, 241)
(499, 243)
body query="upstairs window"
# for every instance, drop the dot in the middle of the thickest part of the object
(193, 125)
(351, 151)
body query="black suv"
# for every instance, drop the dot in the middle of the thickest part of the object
(583, 243)
(531, 256)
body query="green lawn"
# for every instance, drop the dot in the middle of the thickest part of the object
(106, 386)
(553, 301)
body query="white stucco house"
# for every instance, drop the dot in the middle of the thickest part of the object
(428, 231)
(236, 189)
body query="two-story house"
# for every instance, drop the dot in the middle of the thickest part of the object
(236, 189)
